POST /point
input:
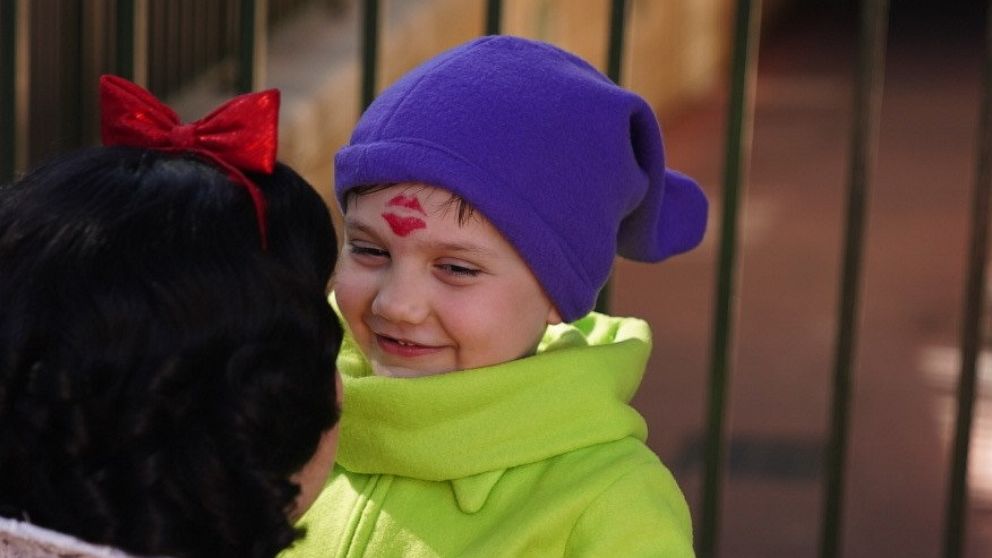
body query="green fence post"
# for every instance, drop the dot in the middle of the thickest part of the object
(971, 330)
(747, 22)
(15, 76)
(614, 63)
(370, 48)
(8, 91)
(494, 16)
(251, 58)
(614, 56)
(132, 40)
(125, 39)
(246, 52)
(864, 140)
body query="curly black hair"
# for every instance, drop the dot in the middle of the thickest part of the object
(161, 375)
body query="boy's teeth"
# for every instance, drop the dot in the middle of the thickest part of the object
(401, 342)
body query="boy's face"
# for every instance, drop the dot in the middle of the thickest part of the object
(424, 294)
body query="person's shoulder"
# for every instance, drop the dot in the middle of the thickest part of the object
(641, 511)
(28, 540)
(624, 457)
(594, 469)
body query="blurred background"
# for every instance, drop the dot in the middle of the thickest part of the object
(676, 53)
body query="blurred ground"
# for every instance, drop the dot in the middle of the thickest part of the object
(905, 369)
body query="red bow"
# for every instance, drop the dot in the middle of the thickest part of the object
(239, 136)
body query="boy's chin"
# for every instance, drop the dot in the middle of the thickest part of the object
(389, 371)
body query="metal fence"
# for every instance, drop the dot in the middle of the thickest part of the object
(229, 31)
(52, 52)
(866, 103)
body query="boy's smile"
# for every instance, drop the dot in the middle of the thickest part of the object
(424, 294)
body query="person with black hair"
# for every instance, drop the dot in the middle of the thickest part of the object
(167, 382)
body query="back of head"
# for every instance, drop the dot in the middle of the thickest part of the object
(161, 375)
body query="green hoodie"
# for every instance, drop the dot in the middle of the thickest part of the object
(541, 456)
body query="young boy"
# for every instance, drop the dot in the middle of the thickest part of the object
(485, 195)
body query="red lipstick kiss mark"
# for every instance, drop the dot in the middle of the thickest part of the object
(403, 226)
(409, 202)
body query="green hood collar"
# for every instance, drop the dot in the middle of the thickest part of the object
(573, 393)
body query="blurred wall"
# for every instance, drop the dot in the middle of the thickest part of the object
(675, 53)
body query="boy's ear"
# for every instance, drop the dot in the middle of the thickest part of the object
(553, 316)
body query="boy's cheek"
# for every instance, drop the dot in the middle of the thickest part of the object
(347, 282)
(351, 297)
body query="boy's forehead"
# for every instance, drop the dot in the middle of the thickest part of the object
(419, 193)
(413, 196)
(412, 200)
(421, 212)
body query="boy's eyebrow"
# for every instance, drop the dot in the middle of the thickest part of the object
(352, 224)
(462, 247)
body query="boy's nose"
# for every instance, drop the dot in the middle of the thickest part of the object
(401, 300)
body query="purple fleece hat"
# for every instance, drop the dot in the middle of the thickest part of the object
(567, 165)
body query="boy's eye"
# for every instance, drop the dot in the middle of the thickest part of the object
(367, 250)
(459, 270)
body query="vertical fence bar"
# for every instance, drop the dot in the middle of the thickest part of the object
(73, 50)
(740, 111)
(186, 41)
(246, 54)
(171, 45)
(132, 40)
(18, 101)
(614, 56)
(22, 83)
(971, 330)
(199, 39)
(494, 16)
(614, 63)
(124, 46)
(251, 58)
(864, 140)
(139, 42)
(370, 49)
(261, 44)
(8, 91)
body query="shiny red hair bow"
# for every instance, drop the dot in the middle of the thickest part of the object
(239, 136)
